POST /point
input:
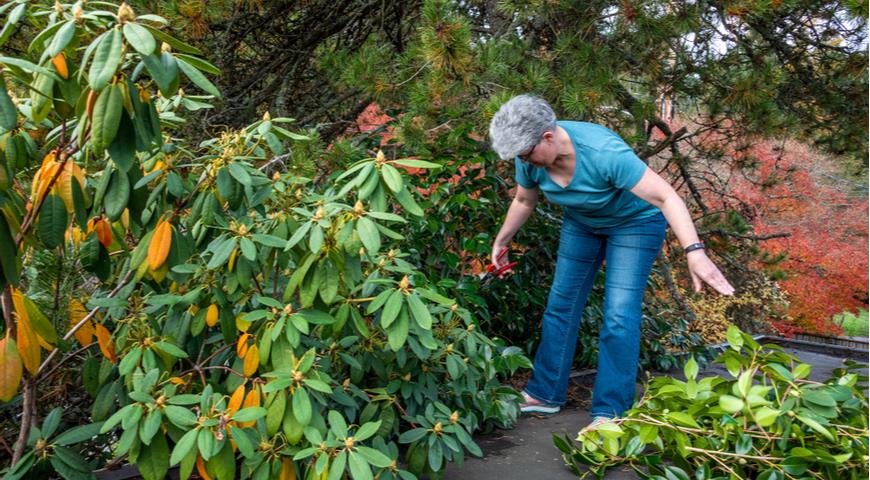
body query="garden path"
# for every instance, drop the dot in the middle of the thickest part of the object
(527, 451)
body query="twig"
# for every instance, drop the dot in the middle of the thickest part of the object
(360, 300)
(730, 454)
(62, 361)
(27, 413)
(84, 320)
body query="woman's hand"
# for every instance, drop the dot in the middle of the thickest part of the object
(704, 271)
(497, 262)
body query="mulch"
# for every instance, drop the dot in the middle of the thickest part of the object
(579, 393)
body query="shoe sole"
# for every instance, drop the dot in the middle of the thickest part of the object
(539, 409)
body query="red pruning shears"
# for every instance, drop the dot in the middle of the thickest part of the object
(500, 272)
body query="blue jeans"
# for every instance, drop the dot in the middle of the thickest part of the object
(629, 251)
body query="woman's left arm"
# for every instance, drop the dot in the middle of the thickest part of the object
(655, 190)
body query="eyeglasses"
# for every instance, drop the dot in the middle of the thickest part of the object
(525, 157)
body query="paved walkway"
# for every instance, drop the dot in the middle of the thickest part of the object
(527, 451)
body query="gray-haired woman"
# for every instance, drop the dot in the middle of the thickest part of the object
(615, 211)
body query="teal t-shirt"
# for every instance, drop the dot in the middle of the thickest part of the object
(605, 170)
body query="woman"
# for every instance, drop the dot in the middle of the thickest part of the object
(615, 211)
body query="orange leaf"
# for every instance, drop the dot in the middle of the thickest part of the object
(104, 232)
(242, 345)
(10, 368)
(252, 360)
(161, 241)
(200, 467)
(89, 106)
(288, 471)
(60, 65)
(26, 338)
(85, 334)
(104, 337)
(236, 400)
(211, 316)
(47, 162)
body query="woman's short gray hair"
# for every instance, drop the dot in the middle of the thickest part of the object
(519, 124)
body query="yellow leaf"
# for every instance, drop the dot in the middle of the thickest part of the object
(63, 186)
(104, 337)
(242, 325)
(242, 345)
(288, 471)
(125, 219)
(74, 234)
(232, 261)
(236, 400)
(26, 338)
(161, 241)
(211, 316)
(252, 400)
(10, 368)
(159, 274)
(252, 360)
(85, 334)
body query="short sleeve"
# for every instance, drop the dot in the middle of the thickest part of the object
(619, 165)
(522, 175)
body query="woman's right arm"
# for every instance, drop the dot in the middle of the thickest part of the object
(520, 210)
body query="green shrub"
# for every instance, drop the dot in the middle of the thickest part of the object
(854, 325)
(266, 321)
(770, 422)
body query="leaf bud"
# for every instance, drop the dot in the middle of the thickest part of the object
(266, 116)
(404, 283)
(319, 214)
(125, 13)
(358, 208)
(165, 48)
(78, 12)
(380, 159)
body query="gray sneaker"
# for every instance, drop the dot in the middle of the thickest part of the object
(532, 405)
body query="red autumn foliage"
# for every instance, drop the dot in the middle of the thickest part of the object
(786, 187)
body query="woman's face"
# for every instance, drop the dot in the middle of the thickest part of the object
(543, 153)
